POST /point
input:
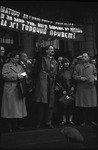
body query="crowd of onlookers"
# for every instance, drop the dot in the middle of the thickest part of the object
(30, 90)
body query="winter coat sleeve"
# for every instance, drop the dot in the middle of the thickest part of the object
(94, 70)
(76, 75)
(8, 74)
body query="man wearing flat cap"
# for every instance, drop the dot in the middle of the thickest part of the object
(85, 74)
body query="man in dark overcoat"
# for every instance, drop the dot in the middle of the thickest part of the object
(2, 53)
(27, 83)
(45, 88)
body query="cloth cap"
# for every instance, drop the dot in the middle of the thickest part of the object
(79, 57)
(65, 60)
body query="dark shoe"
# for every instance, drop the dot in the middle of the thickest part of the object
(10, 130)
(93, 124)
(71, 123)
(49, 126)
(83, 124)
(63, 123)
(38, 126)
(19, 127)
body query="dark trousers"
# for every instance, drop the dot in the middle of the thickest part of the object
(44, 114)
(88, 114)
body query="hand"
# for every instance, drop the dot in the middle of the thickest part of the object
(20, 76)
(56, 88)
(64, 92)
(83, 78)
(72, 89)
(95, 78)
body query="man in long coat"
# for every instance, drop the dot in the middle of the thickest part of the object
(85, 74)
(13, 103)
(45, 87)
(2, 53)
(27, 84)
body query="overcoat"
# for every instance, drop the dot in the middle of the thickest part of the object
(13, 106)
(86, 95)
(45, 83)
(27, 82)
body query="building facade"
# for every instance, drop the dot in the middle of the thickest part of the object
(12, 38)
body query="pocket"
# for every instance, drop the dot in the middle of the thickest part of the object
(8, 85)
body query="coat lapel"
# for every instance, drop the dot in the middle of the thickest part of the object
(15, 68)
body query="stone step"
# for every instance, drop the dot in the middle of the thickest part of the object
(51, 138)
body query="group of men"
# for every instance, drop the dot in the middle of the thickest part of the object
(41, 78)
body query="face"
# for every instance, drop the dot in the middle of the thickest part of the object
(50, 51)
(60, 60)
(15, 59)
(66, 64)
(2, 51)
(24, 57)
(85, 57)
(93, 61)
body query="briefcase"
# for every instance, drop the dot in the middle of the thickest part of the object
(27, 87)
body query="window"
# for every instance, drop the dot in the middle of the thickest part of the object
(43, 42)
(6, 37)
